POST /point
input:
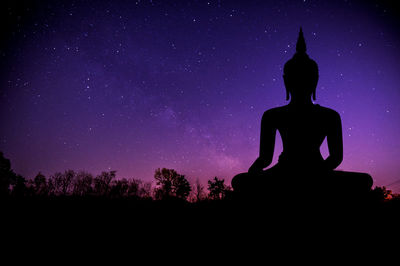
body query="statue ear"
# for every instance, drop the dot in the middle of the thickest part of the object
(315, 88)
(286, 86)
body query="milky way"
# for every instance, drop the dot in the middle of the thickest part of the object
(134, 86)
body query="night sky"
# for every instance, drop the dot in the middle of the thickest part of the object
(134, 86)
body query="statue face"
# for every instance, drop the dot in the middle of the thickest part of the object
(300, 84)
(300, 77)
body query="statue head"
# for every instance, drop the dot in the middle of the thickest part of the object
(300, 73)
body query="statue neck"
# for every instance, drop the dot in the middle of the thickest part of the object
(301, 102)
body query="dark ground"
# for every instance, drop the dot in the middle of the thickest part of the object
(63, 214)
(168, 231)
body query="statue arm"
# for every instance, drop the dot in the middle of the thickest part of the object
(267, 144)
(335, 144)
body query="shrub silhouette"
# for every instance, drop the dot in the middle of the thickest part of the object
(7, 176)
(124, 188)
(83, 184)
(198, 192)
(61, 184)
(102, 183)
(171, 184)
(39, 185)
(217, 189)
(19, 188)
(381, 194)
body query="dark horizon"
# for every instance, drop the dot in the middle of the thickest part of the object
(132, 87)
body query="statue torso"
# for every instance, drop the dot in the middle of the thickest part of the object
(303, 129)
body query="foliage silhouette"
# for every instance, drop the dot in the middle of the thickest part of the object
(76, 204)
(19, 188)
(83, 184)
(381, 194)
(102, 183)
(39, 185)
(198, 192)
(7, 176)
(217, 189)
(171, 184)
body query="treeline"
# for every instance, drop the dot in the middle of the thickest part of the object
(168, 184)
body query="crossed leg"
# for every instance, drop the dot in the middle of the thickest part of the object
(272, 179)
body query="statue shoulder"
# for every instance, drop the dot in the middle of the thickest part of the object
(328, 112)
(273, 113)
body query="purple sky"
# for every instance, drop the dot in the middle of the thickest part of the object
(119, 85)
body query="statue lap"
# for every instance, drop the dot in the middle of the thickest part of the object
(278, 181)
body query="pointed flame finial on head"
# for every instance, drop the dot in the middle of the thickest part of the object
(301, 43)
(300, 72)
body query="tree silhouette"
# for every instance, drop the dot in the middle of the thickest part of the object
(66, 181)
(182, 187)
(51, 185)
(61, 184)
(171, 184)
(7, 175)
(217, 189)
(102, 183)
(39, 185)
(119, 188)
(145, 190)
(19, 187)
(83, 185)
(198, 191)
(133, 188)
(381, 193)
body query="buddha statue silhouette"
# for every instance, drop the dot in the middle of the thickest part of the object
(303, 126)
